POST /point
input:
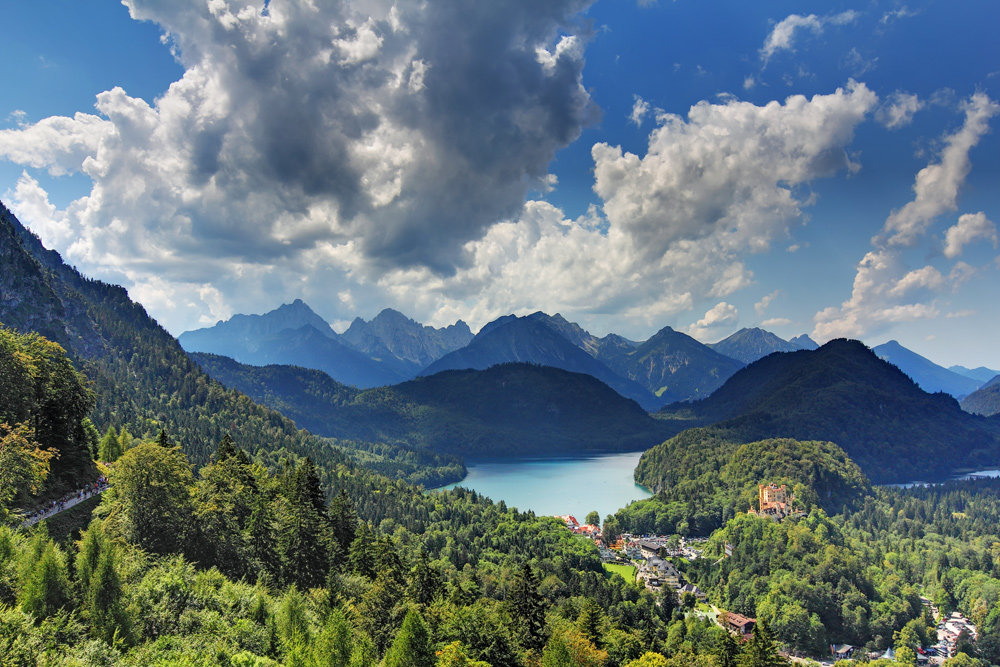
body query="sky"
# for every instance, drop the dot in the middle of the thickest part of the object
(806, 167)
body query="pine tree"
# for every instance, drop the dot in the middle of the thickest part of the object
(103, 605)
(334, 645)
(762, 649)
(528, 608)
(589, 621)
(344, 520)
(412, 646)
(46, 588)
(361, 557)
(107, 448)
(425, 580)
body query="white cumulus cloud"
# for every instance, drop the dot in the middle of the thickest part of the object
(723, 315)
(970, 227)
(898, 110)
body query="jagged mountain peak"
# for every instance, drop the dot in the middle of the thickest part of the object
(750, 344)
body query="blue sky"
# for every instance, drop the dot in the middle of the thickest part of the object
(832, 169)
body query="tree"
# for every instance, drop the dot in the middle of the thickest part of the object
(453, 655)
(593, 518)
(412, 645)
(762, 649)
(334, 645)
(528, 608)
(649, 659)
(425, 580)
(107, 448)
(46, 587)
(612, 530)
(150, 502)
(24, 465)
(102, 603)
(589, 621)
(344, 520)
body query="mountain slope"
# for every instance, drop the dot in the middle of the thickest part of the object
(532, 340)
(843, 393)
(394, 339)
(141, 377)
(749, 345)
(925, 372)
(985, 400)
(292, 334)
(670, 364)
(982, 374)
(509, 409)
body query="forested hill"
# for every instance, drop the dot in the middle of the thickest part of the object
(141, 377)
(985, 400)
(843, 393)
(509, 409)
(704, 477)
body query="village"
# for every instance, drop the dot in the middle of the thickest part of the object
(651, 557)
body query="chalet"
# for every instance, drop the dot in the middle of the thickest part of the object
(740, 625)
(649, 549)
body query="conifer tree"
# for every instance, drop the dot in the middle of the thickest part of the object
(589, 621)
(412, 645)
(425, 580)
(107, 448)
(334, 645)
(528, 608)
(361, 557)
(344, 520)
(92, 546)
(762, 649)
(103, 605)
(46, 587)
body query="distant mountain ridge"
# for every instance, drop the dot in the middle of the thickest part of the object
(982, 374)
(845, 394)
(533, 339)
(670, 363)
(507, 409)
(928, 375)
(749, 345)
(389, 349)
(291, 334)
(804, 342)
(390, 335)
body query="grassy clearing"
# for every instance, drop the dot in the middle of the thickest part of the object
(626, 572)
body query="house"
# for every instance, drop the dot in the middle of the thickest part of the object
(649, 549)
(569, 520)
(606, 554)
(740, 625)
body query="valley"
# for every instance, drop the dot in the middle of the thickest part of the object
(265, 513)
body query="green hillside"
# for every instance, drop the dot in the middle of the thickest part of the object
(704, 477)
(506, 410)
(844, 394)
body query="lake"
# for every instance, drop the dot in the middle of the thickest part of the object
(557, 486)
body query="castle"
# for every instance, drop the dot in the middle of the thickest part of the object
(775, 502)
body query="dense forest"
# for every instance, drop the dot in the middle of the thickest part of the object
(843, 393)
(705, 476)
(508, 409)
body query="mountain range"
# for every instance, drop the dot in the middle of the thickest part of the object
(928, 375)
(844, 393)
(510, 409)
(749, 345)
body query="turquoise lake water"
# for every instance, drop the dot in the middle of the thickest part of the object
(558, 486)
